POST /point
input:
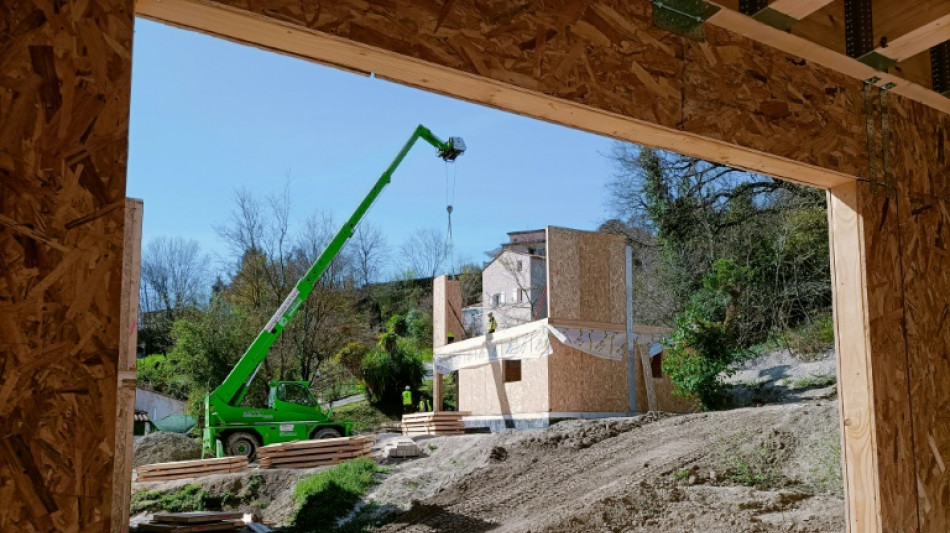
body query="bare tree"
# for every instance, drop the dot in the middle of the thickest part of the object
(174, 276)
(369, 251)
(174, 280)
(424, 253)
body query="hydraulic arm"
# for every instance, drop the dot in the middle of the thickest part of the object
(232, 391)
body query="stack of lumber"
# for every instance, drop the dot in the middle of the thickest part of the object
(312, 453)
(193, 522)
(190, 469)
(438, 423)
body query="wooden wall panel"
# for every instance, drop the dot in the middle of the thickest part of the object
(64, 107)
(446, 310)
(580, 382)
(482, 390)
(585, 277)
(919, 156)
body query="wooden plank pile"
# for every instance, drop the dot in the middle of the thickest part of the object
(438, 423)
(190, 469)
(193, 522)
(313, 453)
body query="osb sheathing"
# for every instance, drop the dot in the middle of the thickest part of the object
(579, 382)
(915, 292)
(446, 310)
(608, 55)
(586, 283)
(64, 107)
(586, 276)
(482, 390)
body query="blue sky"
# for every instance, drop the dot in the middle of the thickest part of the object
(210, 116)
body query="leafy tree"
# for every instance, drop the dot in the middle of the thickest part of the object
(701, 212)
(704, 347)
(395, 363)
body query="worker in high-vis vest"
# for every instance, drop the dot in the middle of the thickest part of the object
(492, 323)
(407, 400)
(449, 337)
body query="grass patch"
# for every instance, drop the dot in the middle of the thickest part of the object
(194, 497)
(327, 496)
(814, 382)
(754, 461)
(826, 474)
(364, 416)
(812, 338)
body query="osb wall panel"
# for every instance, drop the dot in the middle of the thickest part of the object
(580, 382)
(446, 310)
(925, 238)
(608, 55)
(585, 276)
(482, 390)
(64, 104)
(923, 207)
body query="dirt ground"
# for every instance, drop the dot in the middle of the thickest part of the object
(752, 470)
(645, 475)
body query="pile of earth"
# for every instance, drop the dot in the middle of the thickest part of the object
(164, 447)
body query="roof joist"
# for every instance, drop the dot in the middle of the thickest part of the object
(898, 39)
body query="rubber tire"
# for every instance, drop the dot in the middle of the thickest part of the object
(242, 441)
(326, 433)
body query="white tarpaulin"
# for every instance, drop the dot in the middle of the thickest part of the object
(606, 344)
(532, 341)
(527, 341)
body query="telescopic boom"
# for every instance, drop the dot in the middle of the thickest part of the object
(233, 389)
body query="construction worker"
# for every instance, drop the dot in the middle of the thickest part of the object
(449, 337)
(424, 405)
(492, 323)
(407, 400)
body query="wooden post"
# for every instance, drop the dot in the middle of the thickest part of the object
(446, 318)
(128, 340)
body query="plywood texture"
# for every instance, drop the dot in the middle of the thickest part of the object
(482, 390)
(64, 106)
(599, 66)
(125, 384)
(446, 310)
(585, 276)
(580, 382)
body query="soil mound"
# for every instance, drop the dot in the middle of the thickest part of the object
(164, 447)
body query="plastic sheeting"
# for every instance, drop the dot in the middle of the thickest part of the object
(527, 341)
(532, 341)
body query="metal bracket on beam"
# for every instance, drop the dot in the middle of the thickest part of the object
(683, 17)
(858, 28)
(940, 68)
(877, 61)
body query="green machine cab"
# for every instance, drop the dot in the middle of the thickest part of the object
(292, 412)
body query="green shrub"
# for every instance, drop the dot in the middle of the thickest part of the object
(704, 346)
(327, 496)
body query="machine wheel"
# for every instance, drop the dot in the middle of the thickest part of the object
(242, 443)
(326, 433)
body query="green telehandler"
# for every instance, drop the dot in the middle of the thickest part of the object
(292, 412)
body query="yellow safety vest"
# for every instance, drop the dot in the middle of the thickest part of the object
(407, 397)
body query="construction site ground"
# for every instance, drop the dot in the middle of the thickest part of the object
(774, 468)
